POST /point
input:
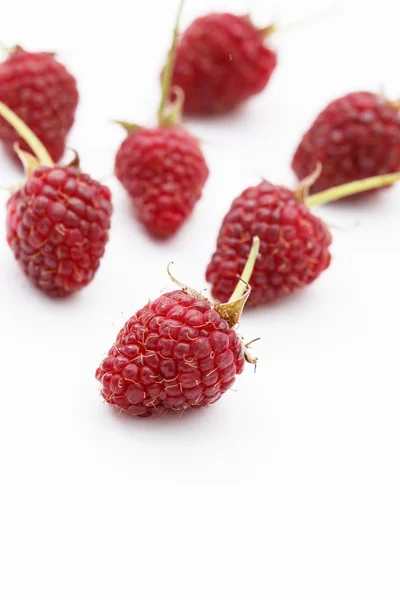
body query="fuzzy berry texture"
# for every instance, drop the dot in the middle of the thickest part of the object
(164, 171)
(43, 94)
(175, 353)
(221, 61)
(294, 245)
(355, 137)
(57, 227)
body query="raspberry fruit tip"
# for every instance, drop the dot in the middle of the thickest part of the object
(177, 352)
(58, 221)
(42, 156)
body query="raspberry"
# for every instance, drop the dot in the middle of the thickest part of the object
(294, 246)
(163, 168)
(43, 93)
(355, 136)
(175, 353)
(57, 227)
(221, 62)
(164, 171)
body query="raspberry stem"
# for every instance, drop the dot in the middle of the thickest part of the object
(27, 135)
(243, 283)
(231, 311)
(169, 68)
(348, 189)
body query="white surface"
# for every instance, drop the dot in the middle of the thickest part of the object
(287, 488)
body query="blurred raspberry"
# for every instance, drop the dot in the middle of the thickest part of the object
(222, 60)
(43, 94)
(354, 137)
(294, 246)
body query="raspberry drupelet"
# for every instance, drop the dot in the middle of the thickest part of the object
(294, 243)
(354, 137)
(162, 168)
(222, 60)
(178, 352)
(58, 221)
(42, 92)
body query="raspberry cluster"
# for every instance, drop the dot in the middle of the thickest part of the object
(57, 227)
(164, 171)
(354, 137)
(41, 91)
(221, 61)
(175, 353)
(294, 245)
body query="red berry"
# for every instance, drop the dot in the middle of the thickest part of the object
(164, 171)
(222, 61)
(43, 94)
(294, 246)
(354, 137)
(175, 353)
(57, 227)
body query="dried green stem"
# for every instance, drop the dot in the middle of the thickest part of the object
(27, 135)
(169, 67)
(348, 189)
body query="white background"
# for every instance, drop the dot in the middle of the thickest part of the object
(288, 487)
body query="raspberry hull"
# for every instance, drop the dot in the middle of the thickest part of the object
(294, 246)
(57, 227)
(175, 353)
(164, 171)
(354, 137)
(43, 94)
(221, 62)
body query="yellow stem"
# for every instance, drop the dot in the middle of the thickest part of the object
(27, 135)
(169, 67)
(243, 283)
(348, 189)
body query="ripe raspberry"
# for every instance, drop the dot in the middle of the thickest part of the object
(43, 93)
(164, 171)
(57, 227)
(163, 168)
(355, 136)
(222, 61)
(175, 353)
(294, 246)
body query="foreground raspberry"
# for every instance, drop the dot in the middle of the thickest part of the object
(57, 227)
(43, 93)
(164, 171)
(294, 244)
(355, 136)
(175, 353)
(221, 62)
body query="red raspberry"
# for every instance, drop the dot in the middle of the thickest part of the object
(354, 137)
(294, 244)
(222, 61)
(164, 171)
(43, 93)
(57, 227)
(175, 353)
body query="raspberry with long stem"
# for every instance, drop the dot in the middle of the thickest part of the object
(58, 221)
(178, 352)
(294, 243)
(162, 168)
